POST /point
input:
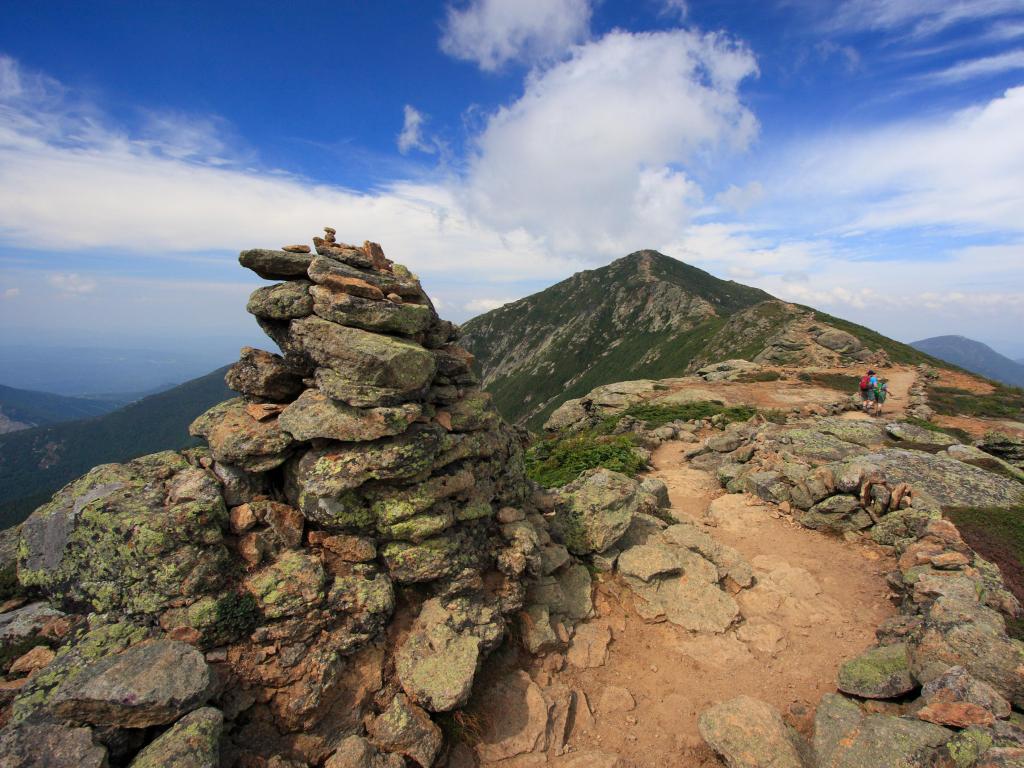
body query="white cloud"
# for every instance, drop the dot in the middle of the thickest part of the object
(919, 17)
(10, 293)
(495, 32)
(741, 199)
(478, 306)
(71, 283)
(411, 136)
(675, 8)
(1009, 61)
(592, 158)
(958, 171)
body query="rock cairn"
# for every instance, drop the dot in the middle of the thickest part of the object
(332, 570)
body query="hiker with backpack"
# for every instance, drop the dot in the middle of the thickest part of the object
(881, 394)
(868, 382)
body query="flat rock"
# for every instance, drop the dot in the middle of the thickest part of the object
(344, 307)
(879, 673)
(314, 415)
(748, 733)
(236, 438)
(275, 265)
(646, 561)
(912, 433)
(957, 685)
(589, 647)
(845, 738)
(284, 301)
(192, 742)
(50, 745)
(357, 752)
(515, 716)
(151, 683)
(22, 623)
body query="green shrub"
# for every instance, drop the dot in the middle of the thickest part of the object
(558, 461)
(1001, 403)
(841, 382)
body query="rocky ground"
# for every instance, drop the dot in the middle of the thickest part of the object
(355, 572)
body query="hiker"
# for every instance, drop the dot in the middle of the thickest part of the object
(868, 382)
(881, 393)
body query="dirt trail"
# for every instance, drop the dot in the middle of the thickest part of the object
(900, 382)
(816, 603)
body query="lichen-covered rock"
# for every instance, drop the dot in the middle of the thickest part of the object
(649, 560)
(845, 738)
(314, 415)
(289, 586)
(748, 733)
(235, 437)
(371, 314)
(24, 622)
(957, 685)
(192, 742)
(959, 631)
(950, 482)
(275, 265)
(363, 368)
(405, 728)
(837, 513)
(49, 745)
(263, 375)
(596, 510)
(912, 433)
(284, 301)
(148, 684)
(96, 542)
(879, 673)
(969, 454)
(815, 445)
(358, 752)
(436, 664)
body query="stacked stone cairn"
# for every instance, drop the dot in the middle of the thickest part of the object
(322, 581)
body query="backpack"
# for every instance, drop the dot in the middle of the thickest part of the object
(865, 382)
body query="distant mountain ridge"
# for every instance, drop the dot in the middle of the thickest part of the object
(25, 408)
(648, 315)
(36, 462)
(974, 356)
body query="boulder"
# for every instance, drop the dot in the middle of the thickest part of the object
(839, 341)
(314, 415)
(408, 730)
(290, 586)
(514, 714)
(815, 445)
(960, 632)
(192, 742)
(284, 301)
(436, 664)
(236, 438)
(96, 541)
(50, 745)
(358, 752)
(596, 510)
(838, 513)
(363, 368)
(275, 265)
(569, 415)
(646, 561)
(263, 375)
(748, 733)
(379, 315)
(152, 683)
(658, 490)
(25, 622)
(956, 685)
(879, 673)
(845, 738)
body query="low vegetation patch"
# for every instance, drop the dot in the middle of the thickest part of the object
(756, 376)
(237, 615)
(655, 415)
(560, 459)
(998, 536)
(1001, 403)
(557, 461)
(959, 434)
(842, 382)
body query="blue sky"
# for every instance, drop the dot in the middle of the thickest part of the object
(863, 156)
